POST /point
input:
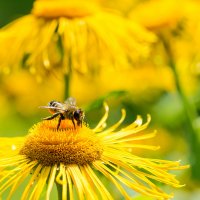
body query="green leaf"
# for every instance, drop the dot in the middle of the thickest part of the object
(98, 103)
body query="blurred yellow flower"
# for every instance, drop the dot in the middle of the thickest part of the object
(72, 34)
(20, 87)
(142, 82)
(72, 157)
(122, 5)
(187, 48)
(157, 14)
(176, 26)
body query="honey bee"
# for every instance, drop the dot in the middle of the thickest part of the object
(66, 110)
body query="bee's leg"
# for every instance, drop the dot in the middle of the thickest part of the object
(51, 117)
(73, 122)
(79, 123)
(60, 119)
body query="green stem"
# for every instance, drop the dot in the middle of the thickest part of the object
(59, 190)
(190, 113)
(67, 79)
(67, 86)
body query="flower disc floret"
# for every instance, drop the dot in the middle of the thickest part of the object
(66, 145)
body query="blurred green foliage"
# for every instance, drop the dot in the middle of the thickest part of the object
(10, 10)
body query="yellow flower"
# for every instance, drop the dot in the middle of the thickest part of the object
(156, 79)
(71, 34)
(157, 14)
(180, 29)
(75, 158)
(122, 5)
(41, 92)
(144, 82)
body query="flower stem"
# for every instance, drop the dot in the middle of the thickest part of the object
(191, 132)
(67, 79)
(67, 86)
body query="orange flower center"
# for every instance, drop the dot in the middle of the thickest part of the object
(66, 145)
(63, 8)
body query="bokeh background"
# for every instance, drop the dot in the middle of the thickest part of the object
(165, 83)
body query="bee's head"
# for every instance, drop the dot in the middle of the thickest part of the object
(52, 104)
(79, 116)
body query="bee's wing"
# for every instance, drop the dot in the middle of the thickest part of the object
(46, 107)
(71, 101)
(51, 107)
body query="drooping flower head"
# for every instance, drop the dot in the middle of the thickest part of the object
(174, 27)
(71, 34)
(77, 159)
(156, 15)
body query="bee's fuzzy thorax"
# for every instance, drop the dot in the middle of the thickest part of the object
(66, 145)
